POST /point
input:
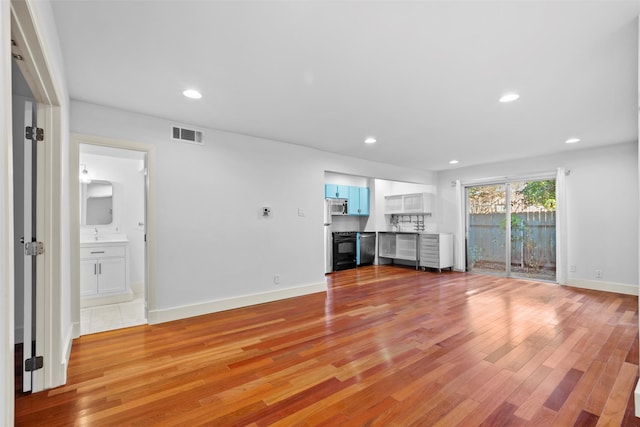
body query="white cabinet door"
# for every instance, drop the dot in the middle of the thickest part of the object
(387, 245)
(406, 247)
(88, 277)
(111, 277)
(418, 203)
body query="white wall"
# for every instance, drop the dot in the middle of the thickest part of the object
(213, 242)
(602, 208)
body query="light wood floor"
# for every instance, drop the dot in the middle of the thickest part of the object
(386, 346)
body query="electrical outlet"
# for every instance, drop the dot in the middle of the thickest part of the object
(266, 211)
(598, 274)
(300, 212)
(572, 268)
(276, 279)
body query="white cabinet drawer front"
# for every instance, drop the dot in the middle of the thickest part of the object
(429, 247)
(102, 251)
(429, 256)
(430, 264)
(430, 237)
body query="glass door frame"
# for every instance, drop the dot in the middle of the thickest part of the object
(507, 213)
(507, 183)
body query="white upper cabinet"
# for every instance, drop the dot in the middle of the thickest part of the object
(416, 203)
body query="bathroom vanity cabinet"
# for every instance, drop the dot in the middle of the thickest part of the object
(103, 273)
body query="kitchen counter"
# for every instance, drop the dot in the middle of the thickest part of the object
(93, 240)
(402, 232)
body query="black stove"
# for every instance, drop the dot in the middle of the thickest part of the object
(344, 250)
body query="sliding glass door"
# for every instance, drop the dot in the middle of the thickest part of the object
(486, 233)
(511, 229)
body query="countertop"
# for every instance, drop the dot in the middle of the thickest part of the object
(406, 232)
(90, 240)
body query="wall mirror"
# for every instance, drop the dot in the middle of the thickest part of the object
(97, 203)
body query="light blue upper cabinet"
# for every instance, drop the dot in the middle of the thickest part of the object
(354, 201)
(358, 197)
(359, 201)
(330, 191)
(364, 201)
(343, 191)
(333, 191)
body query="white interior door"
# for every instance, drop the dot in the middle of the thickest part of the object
(28, 235)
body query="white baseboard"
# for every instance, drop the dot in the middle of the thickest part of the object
(182, 312)
(74, 332)
(106, 299)
(618, 288)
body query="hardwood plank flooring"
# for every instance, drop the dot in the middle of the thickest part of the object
(385, 346)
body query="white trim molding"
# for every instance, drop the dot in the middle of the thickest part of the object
(618, 288)
(7, 380)
(151, 216)
(208, 307)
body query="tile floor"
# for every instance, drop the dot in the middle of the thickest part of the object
(113, 316)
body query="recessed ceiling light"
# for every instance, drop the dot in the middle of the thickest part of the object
(192, 93)
(509, 97)
(453, 162)
(572, 140)
(370, 140)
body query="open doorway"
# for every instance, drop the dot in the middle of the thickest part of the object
(112, 238)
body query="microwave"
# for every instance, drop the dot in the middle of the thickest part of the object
(339, 206)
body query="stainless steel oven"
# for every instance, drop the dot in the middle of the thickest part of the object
(344, 250)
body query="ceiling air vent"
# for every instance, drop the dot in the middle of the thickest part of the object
(187, 135)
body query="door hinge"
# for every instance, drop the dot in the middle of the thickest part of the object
(34, 363)
(39, 134)
(33, 248)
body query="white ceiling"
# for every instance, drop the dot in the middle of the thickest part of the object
(423, 77)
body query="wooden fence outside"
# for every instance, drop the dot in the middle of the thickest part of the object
(533, 239)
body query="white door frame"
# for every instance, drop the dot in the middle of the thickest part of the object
(74, 217)
(19, 23)
(49, 194)
(49, 340)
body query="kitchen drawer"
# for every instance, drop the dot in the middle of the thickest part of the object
(436, 250)
(102, 251)
(430, 245)
(430, 264)
(429, 255)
